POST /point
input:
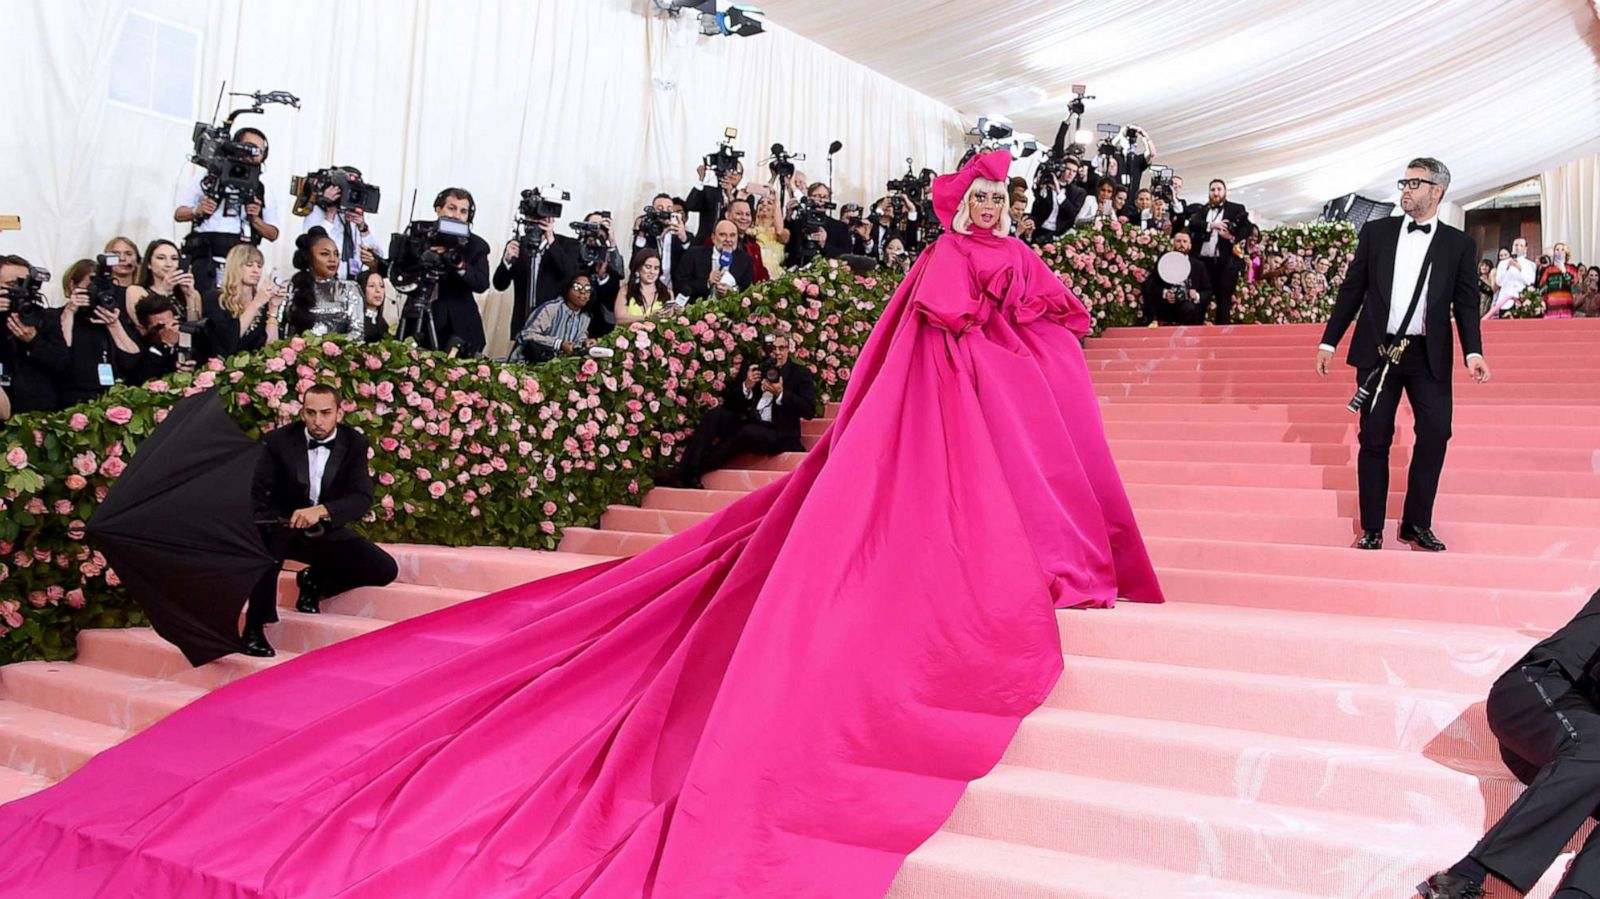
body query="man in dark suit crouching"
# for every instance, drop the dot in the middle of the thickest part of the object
(314, 479)
(761, 410)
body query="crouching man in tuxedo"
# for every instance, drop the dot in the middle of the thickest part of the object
(314, 478)
(1545, 712)
(760, 413)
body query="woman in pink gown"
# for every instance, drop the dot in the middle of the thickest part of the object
(784, 701)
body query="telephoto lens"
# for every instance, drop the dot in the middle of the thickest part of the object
(1360, 399)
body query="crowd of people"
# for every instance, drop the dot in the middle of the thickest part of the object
(1569, 288)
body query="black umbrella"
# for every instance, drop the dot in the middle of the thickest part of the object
(178, 528)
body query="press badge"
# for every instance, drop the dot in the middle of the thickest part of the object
(106, 378)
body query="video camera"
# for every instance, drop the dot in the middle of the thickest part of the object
(655, 222)
(233, 166)
(1109, 133)
(1161, 182)
(27, 298)
(531, 210)
(594, 240)
(423, 253)
(354, 193)
(781, 164)
(912, 185)
(726, 158)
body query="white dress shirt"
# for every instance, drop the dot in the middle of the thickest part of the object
(317, 459)
(764, 404)
(229, 224)
(1057, 198)
(1514, 276)
(1209, 248)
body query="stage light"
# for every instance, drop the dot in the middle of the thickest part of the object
(739, 19)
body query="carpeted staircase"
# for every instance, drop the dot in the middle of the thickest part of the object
(1301, 720)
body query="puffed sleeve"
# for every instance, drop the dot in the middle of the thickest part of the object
(945, 289)
(1031, 290)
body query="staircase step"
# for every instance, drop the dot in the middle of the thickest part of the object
(1455, 478)
(396, 602)
(1545, 435)
(297, 632)
(742, 480)
(139, 652)
(680, 500)
(613, 543)
(481, 569)
(1552, 512)
(16, 784)
(958, 866)
(1332, 391)
(49, 744)
(1324, 413)
(1427, 655)
(129, 704)
(1573, 463)
(650, 521)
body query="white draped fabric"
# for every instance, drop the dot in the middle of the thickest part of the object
(601, 98)
(1571, 207)
(1293, 103)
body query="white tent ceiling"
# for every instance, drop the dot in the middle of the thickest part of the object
(1292, 102)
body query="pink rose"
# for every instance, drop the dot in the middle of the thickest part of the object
(78, 421)
(113, 467)
(75, 598)
(11, 611)
(119, 415)
(18, 457)
(85, 464)
(436, 489)
(76, 482)
(549, 508)
(549, 527)
(63, 507)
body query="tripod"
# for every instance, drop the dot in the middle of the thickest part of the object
(416, 318)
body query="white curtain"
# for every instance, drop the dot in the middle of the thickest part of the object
(1571, 208)
(600, 98)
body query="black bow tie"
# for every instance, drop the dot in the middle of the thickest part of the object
(320, 444)
(1413, 226)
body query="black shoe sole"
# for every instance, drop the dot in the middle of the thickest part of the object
(1411, 542)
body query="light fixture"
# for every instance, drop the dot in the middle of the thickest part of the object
(739, 19)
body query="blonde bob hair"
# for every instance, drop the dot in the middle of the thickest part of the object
(232, 296)
(962, 222)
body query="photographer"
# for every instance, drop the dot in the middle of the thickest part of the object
(1057, 200)
(99, 348)
(895, 257)
(662, 230)
(711, 201)
(1176, 304)
(456, 318)
(560, 328)
(1213, 229)
(247, 314)
(523, 267)
(721, 268)
(812, 225)
(33, 357)
(761, 410)
(165, 273)
(358, 248)
(157, 324)
(217, 230)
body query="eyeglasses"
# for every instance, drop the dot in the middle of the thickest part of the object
(1412, 183)
(581, 288)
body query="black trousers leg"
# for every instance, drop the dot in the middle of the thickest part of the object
(1539, 717)
(1431, 406)
(1224, 278)
(339, 561)
(718, 425)
(1376, 436)
(760, 439)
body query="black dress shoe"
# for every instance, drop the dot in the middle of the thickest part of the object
(1421, 538)
(310, 601)
(692, 482)
(1444, 885)
(255, 644)
(1370, 540)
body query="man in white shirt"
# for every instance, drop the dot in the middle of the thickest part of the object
(358, 248)
(220, 228)
(1397, 259)
(1513, 276)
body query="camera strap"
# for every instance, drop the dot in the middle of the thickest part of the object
(1390, 353)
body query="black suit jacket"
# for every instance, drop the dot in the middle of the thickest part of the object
(1238, 224)
(691, 277)
(838, 243)
(711, 203)
(1574, 646)
(283, 476)
(799, 401)
(1066, 217)
(1364, 296)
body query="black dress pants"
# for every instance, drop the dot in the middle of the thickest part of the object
(1549, 733)
(720, 436)
(1224, 278)
(1431, 407)
(339, 560)
(454, 318)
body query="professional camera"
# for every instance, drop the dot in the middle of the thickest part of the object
(1161, 182)
(594, 241)
(781, 165)
(27, 297)
(233, 167)
(102, 284)
(533, 208)
(353, 192)
(912, 185)
(425, 251)
(655, 222)
(771, 372)
(726, 158)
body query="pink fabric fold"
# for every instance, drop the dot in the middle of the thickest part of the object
(783, 701)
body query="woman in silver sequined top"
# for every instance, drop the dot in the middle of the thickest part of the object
(322, 303)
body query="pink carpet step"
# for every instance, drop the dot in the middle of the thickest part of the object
(397, 601)
(1515, 460)
(1555, 367)
(1333, 855)
(603, 542)
(1562, 436)
(1255, 767)
(1294, 526)
(480, 569)
(1542, 610)
(1554, 512)
(15, 784)
(958, 866)
(49, 744)
(1326, 413)
(1303, 376)
(127, 703)
(139, 652)
(1456, 478)
(744, 480)
(1333, 391)
(1277, 336)
(674, 499)
(1492, 328)
(1498, 356)
(1427, 655)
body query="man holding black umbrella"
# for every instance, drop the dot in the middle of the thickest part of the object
(311, 483)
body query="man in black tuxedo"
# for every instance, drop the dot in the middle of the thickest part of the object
(314, 475)
(761, 410)
(833, 238)
(1163, 304)
(722, 267)
(1056, 203)
(1546, 715)
(456, 318)
(712, 202)
(1213, 229)
(670, 243)
(558, 259)
(1392, 256)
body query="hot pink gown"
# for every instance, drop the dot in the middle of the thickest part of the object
(782, 702)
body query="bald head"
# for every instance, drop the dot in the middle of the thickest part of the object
(726, 236)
